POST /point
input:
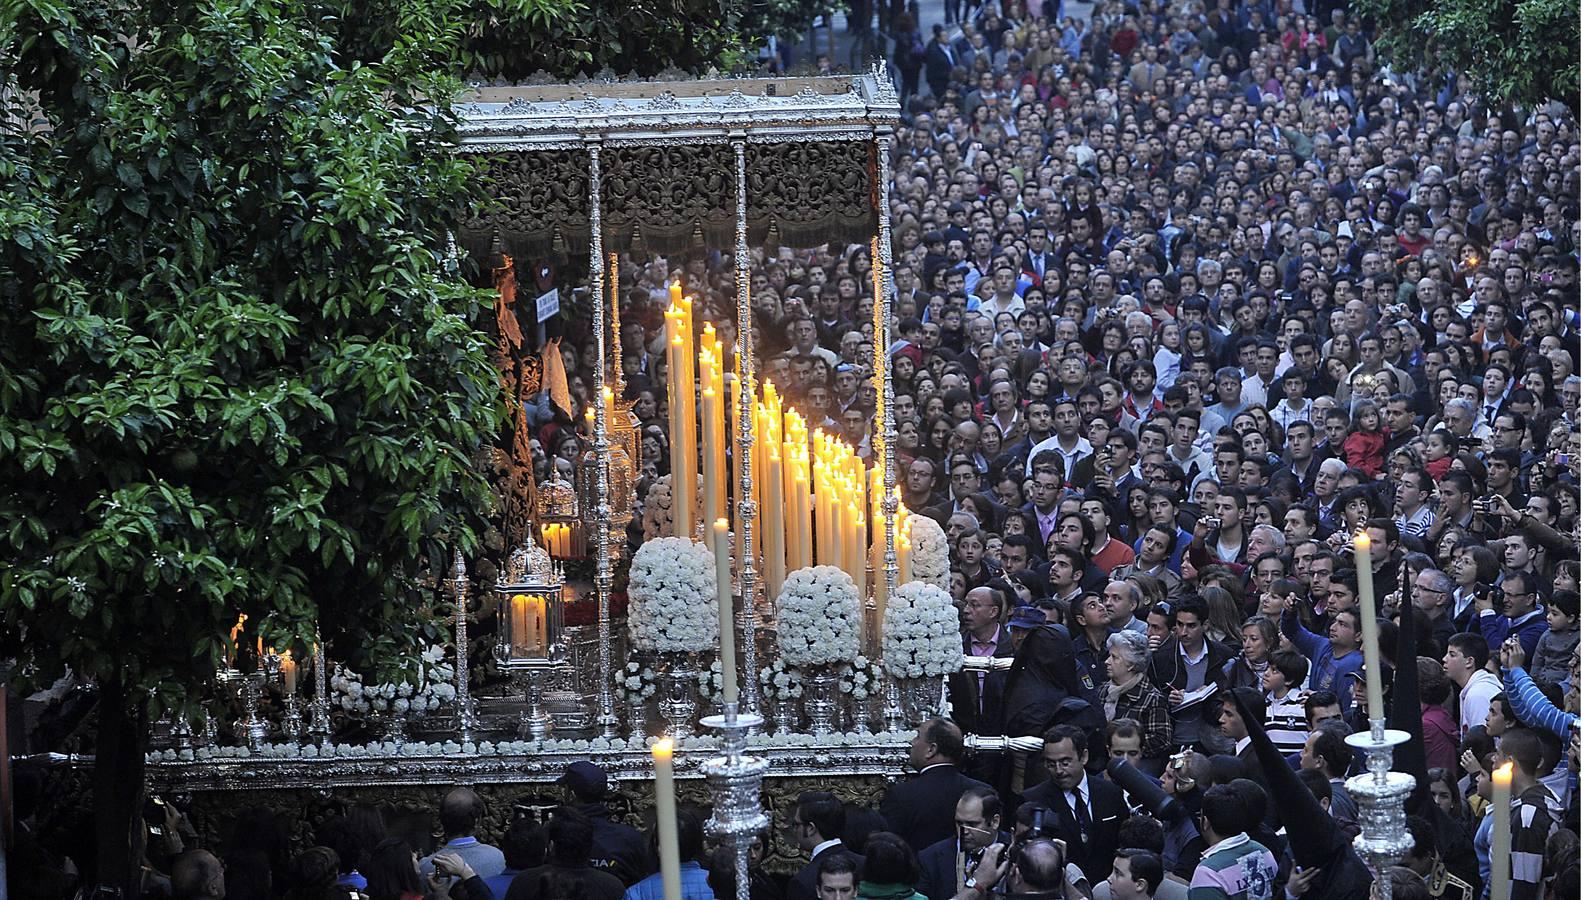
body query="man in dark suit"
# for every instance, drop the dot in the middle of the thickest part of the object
(1234, 728)
(1088, 812)
(922, 809)
(977, 698)
(816, 825)
(977, 816)
(938, 61)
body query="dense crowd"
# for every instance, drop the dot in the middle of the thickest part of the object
(1185, 300)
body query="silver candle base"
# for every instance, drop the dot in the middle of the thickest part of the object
(736, 782)
(291, 726)
(1380, 802)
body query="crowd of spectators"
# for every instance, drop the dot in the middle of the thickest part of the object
(1185, 299)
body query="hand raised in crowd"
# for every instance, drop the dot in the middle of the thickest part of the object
(1301, 881)
(1511, 654)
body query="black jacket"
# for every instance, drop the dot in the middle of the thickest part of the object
(1094, 852)
(804, 884)
(617, 849)
(966, 694)
(922, 810)
(1167, 670)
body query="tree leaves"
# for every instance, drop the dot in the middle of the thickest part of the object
(228, 329)
(1515, 51)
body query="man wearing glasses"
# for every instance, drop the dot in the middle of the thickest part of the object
(1431, 593)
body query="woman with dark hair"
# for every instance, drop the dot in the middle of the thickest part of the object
(889, 869)
(391, 871)
(312, 876)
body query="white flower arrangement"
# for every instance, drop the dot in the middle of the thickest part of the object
(635, 683)
(673, 604)
(711, 682)
(434, 683)
(861, 678)
(930, 553)
(922, 636)
(779, 683)
(818, 614)
(658, 519)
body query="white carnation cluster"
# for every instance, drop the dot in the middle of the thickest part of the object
(673, 604)
(434, 684)
(818, 615)
(635, 683)
(930, 553)
(658, 519)
(779, 683)
(922, 637)
(711, 682)
(861, 678)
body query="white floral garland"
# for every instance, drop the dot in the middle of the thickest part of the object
(861, 678)
(635, 683)
(922, 636)
(436, 684)
(930, 553)
(458, 749)
(818, 614)
(673, 605)
(779, 683)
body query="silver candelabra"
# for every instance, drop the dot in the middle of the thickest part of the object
(736, 782)
(318, 707)
(1380, 802)
(466, 712)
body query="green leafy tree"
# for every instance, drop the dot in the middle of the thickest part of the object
(235, 375)
(1514, 51)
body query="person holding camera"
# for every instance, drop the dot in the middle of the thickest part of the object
(1511, 609)
(1032, 869)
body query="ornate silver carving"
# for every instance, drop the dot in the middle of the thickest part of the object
(1380, 802)
(746, 509)
(466, 711)
(603, 578)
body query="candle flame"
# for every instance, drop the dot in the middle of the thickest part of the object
(663, 749)
(1363, 539)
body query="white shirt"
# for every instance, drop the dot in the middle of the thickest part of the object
(1476, 697)
(1081, 794)
(1070, 458)
(834, 842)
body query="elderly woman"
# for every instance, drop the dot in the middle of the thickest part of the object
(1129, 695)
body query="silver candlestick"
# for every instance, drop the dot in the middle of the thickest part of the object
(736, 782)
(251, 728)
(466, 712)
(291, 726)
(1380, 802)
(318, 707)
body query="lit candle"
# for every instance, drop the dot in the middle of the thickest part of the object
(727, 621)
(773, 538)
(903, 558)
(1369, 625)
(664, 809)
(1499, 855)
(527, 623)
(230, 651)
(288, 671)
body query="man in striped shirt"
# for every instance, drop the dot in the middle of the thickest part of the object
(1534, 813)
(1233, 867)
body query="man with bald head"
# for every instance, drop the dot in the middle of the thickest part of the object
(197, 875)
(459, 813)
(922, 809)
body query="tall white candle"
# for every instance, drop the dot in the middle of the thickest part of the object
(1499, 854)
(727, 621)
(1369, 625)
(664, 809)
